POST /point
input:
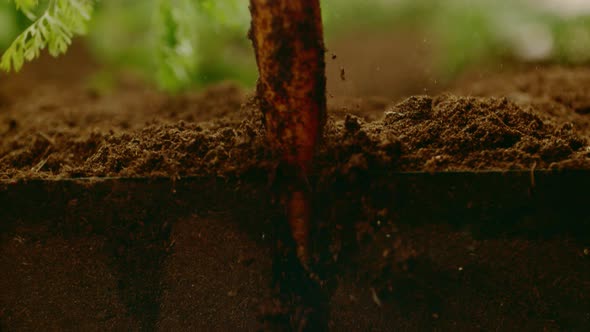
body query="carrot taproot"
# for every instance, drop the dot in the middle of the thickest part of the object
(287, 36)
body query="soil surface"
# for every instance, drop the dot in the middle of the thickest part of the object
(121, 255)
(52, 131)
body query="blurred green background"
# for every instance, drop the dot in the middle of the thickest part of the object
(190, 43)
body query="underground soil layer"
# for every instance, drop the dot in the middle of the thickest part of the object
(157, 253)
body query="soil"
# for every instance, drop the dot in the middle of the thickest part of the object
(185, 246)
(76, 132)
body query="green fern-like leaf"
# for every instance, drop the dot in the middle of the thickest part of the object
(54, 30)
(176, 56)
(27, 7)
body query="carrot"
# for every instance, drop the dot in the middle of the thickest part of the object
(287, 36)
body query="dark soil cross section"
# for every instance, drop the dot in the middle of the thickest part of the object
(440, 250)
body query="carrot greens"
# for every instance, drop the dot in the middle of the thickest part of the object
(53, 29)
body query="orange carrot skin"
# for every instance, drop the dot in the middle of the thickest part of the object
(287, 36)
(288, 41)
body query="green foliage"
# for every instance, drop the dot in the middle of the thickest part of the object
(184, 43)
(227, 13)
(177, 58)
(492, 29)
(175, 43)
(53, 29)
(27, 7)
(467, 31)
(8, 24)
